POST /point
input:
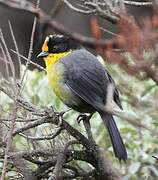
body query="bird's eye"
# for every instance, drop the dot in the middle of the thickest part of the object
(55, 47)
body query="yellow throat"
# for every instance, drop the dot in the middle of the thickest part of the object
(53, 58)
(54, 73)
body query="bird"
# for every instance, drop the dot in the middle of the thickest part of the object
(81, 82)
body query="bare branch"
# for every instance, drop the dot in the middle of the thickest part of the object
(9, 60)
(30, 48)
(91, 42)
(94, 8)
(16, 47)
(31, 62)
(57, 8)
(89, 11)
(61, 158)
(138, 3)
(48, 137)
(15, 107)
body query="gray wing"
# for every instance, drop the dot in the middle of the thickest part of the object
(87, 78)
(116, 93)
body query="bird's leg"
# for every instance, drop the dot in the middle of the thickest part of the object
(86, 121)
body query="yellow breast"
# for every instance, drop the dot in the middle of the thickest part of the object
(55, 72)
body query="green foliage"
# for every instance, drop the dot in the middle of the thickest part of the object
(139, 99)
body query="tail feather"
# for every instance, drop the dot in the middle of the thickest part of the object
(117, 142)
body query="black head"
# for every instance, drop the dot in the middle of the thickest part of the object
(58, 44)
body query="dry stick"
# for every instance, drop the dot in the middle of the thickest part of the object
(57, 8)
(109, 32)
(48, 137)
(31, 125)
(55, 120)
(10, 62)
(19, 120)
(105, 166)
(5, 92)
(31, 62)
(15, 109)
(5, 60)
(89, 11)
(32, 36)
(77, 154)
(81, 139)
(24, 104)
(31, 47)
(9, 138)
(61, 158)
(16, 47)
(111, 16)
(9, 141)
(95, 9)
(137, 3)
(44, 165)
(7, 55)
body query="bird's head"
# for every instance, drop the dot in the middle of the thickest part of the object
(57, 45)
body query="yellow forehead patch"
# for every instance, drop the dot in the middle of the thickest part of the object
(45, 45)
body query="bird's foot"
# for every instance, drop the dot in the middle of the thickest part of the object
(81, 117)
(84, 117)
(86, 122)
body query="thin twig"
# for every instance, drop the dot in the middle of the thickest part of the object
(61, 158)
(15, 107)
(14, 84)
(30, 48)
(79, 10)
(5, 61)
(9, 141)
(107, 31)
(57, 8)
(31, 62)
(16, 47)
(94, 9)
(48, 137)
(137, 3)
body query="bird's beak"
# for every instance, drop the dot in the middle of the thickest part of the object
(42, 54)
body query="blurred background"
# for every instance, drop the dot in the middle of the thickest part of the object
(22, 24)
